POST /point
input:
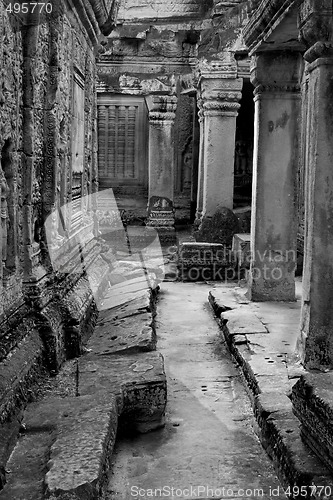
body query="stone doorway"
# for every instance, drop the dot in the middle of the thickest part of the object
(244, 148)
(122, 124)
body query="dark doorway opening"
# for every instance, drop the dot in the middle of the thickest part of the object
(244, 148)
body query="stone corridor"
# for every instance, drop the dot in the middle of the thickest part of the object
(209, 440)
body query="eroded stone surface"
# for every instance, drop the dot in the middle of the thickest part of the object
(124, 335)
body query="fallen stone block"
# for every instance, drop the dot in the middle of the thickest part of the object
(205, 261)
(138, 382)
(75, 437)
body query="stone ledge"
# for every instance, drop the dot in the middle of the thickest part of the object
(278, 428)
(312, 398)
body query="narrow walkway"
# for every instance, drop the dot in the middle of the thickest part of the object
(208, 448)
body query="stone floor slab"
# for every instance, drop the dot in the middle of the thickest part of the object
(124, 336)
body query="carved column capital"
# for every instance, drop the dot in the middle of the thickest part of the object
(219, 94)
(163, 109)
(276, 72)
(316, 28)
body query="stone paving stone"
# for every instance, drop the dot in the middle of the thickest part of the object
(124, 335)
(241, 321)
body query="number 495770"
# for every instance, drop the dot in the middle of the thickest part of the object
(29, 7)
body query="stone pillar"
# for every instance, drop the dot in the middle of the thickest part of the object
(220, 97)
(161, 161)
(275, 76)
(316, 337)
(198, 213)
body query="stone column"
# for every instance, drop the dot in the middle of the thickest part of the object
(220, 97)
(198, 213)
(316, 337)
(161, 161)
(275, 76)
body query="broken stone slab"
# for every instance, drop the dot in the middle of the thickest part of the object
(205, 261)
(124, 336)
(241, 321)
(129, 286)
(216, 304)
(77, 434)
(138, 381)
(312, 398)
(120, 298)
(135, 306)
(240, 339)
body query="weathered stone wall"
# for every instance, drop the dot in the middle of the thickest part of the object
(11, 57)
(132, 10)
(48, 146)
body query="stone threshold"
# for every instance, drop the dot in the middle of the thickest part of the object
(270, 377)
(65, 442)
